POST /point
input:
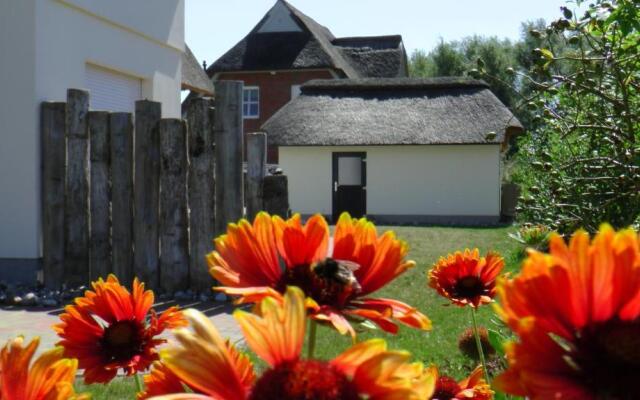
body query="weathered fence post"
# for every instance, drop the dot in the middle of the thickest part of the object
(53, 173)
(77, 188)
(228, 138)
(275, 191)
(146, 192)
(256, 170)
(201, 190)
(100, 195)
(121, 138)
(174, 235)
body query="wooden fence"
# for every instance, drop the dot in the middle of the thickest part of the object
(141, 196)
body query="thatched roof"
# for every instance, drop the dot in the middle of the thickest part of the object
(194, 77)
(313, 46)
(375, 56)
(392, 112)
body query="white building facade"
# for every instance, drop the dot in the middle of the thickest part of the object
(446, 184)
(120, 50)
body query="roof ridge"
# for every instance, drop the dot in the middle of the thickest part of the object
(443, 82)
(393, 36)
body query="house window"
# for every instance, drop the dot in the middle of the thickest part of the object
(295, 91)
(251, 102)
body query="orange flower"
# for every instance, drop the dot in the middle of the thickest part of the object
(367, 370)
(466, 278)
(261, 260)
(107, 329)
(471, 388)
(576, 312)
(50, 377)
(160, 381)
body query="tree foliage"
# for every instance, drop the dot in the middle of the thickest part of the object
(459, 58)
(574, 85)
(580, 165)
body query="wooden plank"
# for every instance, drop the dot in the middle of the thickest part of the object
(174, 235)
(201, 183)
(228, 131)
(121, 140)
(53, 175)
(146, 192)
(256, 170)
(275, 189)
(100, 190)
(76, 270)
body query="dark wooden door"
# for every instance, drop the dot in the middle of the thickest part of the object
(349, 184)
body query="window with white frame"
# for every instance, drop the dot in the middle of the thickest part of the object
(251, 102)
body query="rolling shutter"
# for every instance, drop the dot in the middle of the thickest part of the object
(112, 91)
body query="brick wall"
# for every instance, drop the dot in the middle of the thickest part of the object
(275, 92)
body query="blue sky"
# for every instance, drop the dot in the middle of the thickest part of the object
(214, 26)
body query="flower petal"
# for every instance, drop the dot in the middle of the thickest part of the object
(205, 362)
(278, 334)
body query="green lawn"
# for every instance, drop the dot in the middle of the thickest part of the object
(438, 346)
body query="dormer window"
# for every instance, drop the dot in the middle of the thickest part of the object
(251, 102)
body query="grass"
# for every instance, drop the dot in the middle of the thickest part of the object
(438, 346)
(119, 388)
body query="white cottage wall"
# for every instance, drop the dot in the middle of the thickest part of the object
(443, 183)
(48, 44)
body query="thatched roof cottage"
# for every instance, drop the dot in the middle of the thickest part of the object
(398, 150)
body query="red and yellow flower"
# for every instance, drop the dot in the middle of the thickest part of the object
(466, 278)
(107, 329)
(472, 388)
(576, 312)
(161, 381)
(214, 370)
(50, 377)
(260, 260)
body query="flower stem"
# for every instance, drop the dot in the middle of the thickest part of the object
(138, 383)
(476, 333)
(311, 346)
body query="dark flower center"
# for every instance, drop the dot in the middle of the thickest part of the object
(469, 287)
(304, 380)
(446, 389)
(607, 359)
(329, 282)
(122, 340)
(468, 347)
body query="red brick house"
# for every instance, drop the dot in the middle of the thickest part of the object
(288, 48)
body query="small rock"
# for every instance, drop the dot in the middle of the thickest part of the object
(50, 302)
(204, 297)
(164, 296)
(17, 300)
(221, 298)
(3, 298)
(30, 299)
(181, 296)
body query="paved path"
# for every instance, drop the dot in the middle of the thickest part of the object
(31, 322)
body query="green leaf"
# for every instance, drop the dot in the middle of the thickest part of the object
(497, 341)
(546, 53)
